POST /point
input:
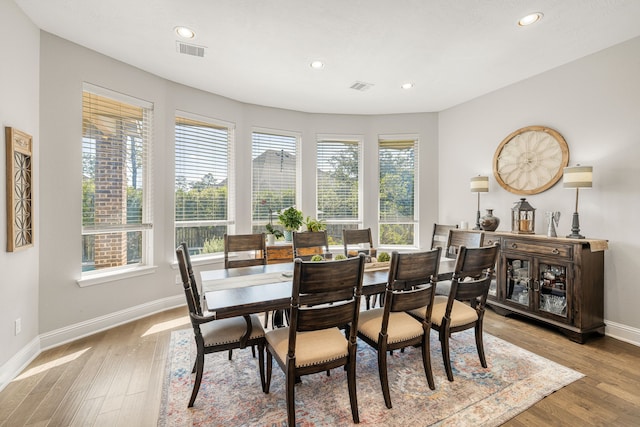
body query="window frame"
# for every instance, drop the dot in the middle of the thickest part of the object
(416, 191)
(258, 225)
(146, 227)
(231, 184)
(358, 141)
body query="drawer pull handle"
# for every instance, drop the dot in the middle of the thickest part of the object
(513, 246)
(555, 251)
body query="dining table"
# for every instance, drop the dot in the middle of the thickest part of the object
(263, 288)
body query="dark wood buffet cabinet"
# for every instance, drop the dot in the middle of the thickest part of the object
(557, 281)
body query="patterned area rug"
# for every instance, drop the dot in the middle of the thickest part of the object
(230, 394)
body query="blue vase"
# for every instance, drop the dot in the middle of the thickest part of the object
(288, 235)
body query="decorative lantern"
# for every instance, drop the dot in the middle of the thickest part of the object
(523, 218)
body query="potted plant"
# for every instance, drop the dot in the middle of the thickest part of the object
(315, 224)
(291, 219)
(273, 234)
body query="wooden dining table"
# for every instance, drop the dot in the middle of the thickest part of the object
(258, 289)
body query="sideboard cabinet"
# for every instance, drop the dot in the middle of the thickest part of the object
(557, 281)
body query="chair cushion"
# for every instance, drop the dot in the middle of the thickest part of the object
(312, 348)
(225, 331)
(461, 313)
(402, 327)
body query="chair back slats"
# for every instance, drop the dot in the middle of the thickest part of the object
(309, 243)
(325, 294)
(352, 237)
(473, 262)
(252, 245)
(440, 235)
(410, 300)
(186, 284)
(412, 269)
(457, 238)
(325, 317)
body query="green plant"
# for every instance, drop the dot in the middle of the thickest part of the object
(384, 257)
(317, 258)
(291, 218)
(276, 233)
(315, 224)
(339, 257)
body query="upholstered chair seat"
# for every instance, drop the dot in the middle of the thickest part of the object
(312, 348)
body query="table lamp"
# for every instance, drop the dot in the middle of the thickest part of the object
(577, 177)
(479, 184)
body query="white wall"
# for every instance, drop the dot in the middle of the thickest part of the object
(19, 86)
(67, 310)
(595, 104)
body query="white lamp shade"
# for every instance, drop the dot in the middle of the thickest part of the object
(479, 184)
(577, 177)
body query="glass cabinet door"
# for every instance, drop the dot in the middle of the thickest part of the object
(518, 282)
(552, 295)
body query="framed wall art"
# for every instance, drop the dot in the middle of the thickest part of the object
(19, 189)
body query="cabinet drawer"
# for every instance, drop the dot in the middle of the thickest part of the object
(538, 248)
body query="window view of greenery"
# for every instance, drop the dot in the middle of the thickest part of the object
(114, 140)
(338, 186)
(274, 177)
(202, 152)
(397, 192)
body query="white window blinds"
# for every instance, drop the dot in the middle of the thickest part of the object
(116, 193)
(274, 175)
(397, 197)
(202, 196)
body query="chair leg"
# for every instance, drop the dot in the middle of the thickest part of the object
(269, 363)
(291, 399)
(196, 384)
(230, 354)
(351, 380)
(479, 344)
(444, 341)
(426, 359)
(261, 367)
(266, 319)
(253, 351)
(384, 377)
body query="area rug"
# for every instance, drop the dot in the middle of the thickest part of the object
(230, 394)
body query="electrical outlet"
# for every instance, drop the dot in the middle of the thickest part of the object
(18, 325)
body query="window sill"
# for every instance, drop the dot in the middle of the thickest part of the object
(100, 278)
(200, 261)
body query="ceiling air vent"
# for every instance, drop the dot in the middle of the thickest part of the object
(361, 86)
(190, 49)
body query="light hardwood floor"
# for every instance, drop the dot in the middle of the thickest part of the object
(114, 378)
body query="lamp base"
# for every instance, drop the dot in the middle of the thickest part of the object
(477, 227)
(575, 228)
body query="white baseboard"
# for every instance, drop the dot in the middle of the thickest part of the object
(98, 324)
(622, 332)
(18, 362)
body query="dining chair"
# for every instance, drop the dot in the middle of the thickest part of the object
(440, 235)
(325, 298)
(456, 239)
(214, 335)
(360, 237)
(306, 244)
(251, 250)
(410, 286)
(464, 307)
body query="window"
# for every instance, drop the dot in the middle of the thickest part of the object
(275, 176)
(202, 196)
(398, 190)
(338, 184)
(116, 195)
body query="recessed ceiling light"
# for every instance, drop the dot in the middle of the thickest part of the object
(407, 85)
(185, 32)
(532, 18)
(317, 64)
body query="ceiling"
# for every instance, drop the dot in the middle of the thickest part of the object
(259, 51)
